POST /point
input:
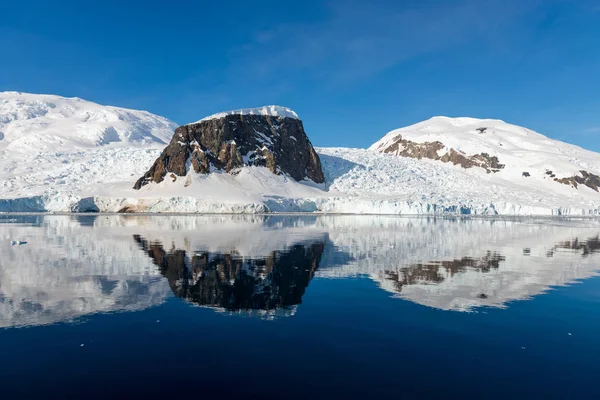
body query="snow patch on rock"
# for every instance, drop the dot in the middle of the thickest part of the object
(271, 111)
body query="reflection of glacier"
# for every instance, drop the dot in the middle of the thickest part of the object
(269, 286)
(67, 270)
(77, 265)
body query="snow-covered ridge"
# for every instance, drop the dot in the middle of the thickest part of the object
(41, 122)
(270, 111)
(510, 154)
(520, 149)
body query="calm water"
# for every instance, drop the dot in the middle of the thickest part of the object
(298, 307)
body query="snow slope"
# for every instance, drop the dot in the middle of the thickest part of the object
(366, 181)
(36, 123)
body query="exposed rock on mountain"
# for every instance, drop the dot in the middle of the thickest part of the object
(271, 137)
(587, 179)
(407, 148)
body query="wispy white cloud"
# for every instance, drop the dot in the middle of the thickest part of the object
(360, 39)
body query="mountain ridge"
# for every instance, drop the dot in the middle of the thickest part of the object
(31, 121)
(475, 166)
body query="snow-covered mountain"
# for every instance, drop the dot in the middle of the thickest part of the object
(37, 123)
(506, 152)
(54, 149)
(61, 155)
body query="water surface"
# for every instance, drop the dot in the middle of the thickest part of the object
(296, 307)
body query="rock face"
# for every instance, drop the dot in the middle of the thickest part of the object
(271, 137)
(406, 148)
(587, 179)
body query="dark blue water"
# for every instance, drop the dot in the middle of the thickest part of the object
(291, 307)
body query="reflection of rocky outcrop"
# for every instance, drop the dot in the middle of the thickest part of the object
(406, 148)
(232, 282)
(586, 247)
(436, 271)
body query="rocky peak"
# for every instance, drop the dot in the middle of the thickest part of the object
(271, 137)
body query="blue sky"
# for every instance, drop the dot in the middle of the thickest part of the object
(353, 70)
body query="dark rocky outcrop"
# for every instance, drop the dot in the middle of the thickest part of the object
(407, 148)
(587, 179)
(233, 141)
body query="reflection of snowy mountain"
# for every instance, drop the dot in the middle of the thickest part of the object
(72, 266)
(458, 264)
(447, 263)
(67, 270)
